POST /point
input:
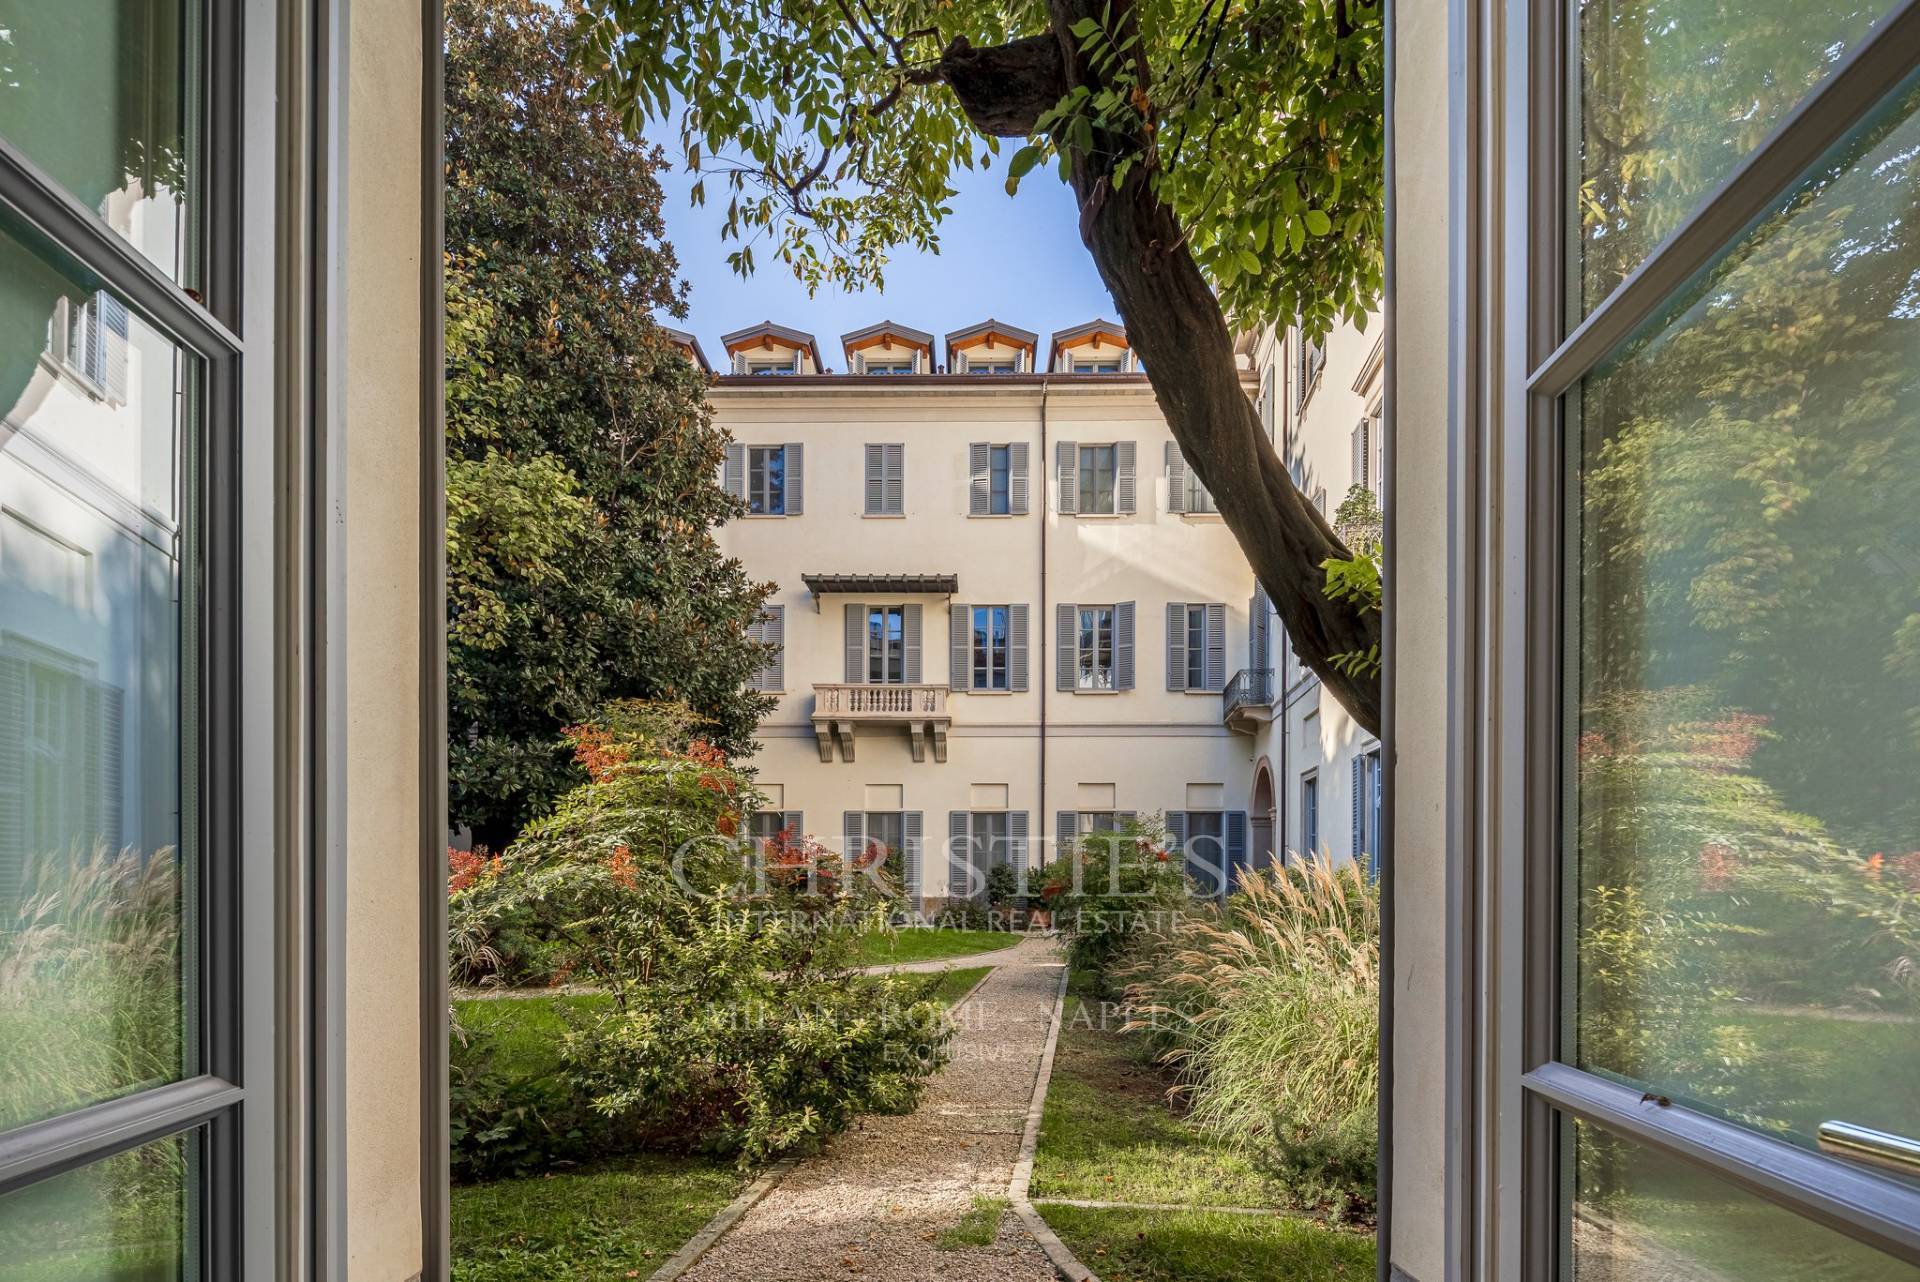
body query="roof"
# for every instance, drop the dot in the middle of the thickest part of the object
(999, 329)
(742, 338)
(861, 338)
(688, 341)
(1074, 335)
(907, 584)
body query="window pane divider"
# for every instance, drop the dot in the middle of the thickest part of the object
(1872, 70)
(82, 235)
(1878, 1211)
(67, 1141)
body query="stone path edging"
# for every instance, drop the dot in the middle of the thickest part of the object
(1065, 1262)
(725, 1218)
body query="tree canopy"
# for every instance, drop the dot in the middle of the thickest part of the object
(1226, 157)
(582, 467)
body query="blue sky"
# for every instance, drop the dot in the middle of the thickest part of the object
(1018, 259)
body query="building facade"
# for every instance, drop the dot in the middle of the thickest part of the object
(1006, 615)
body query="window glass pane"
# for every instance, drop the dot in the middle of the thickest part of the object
(1196, 646)
(105, 98)
(130, 1218)
(1745, 825)
(1635, 1215)
(997, 657)
(92, 548)
(1673, 95)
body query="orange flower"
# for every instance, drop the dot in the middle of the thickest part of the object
(620, 867)
(1876, 862)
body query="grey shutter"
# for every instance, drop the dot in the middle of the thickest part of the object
(1123, 476)
(1176, 478)
(735, 476)
(859, 363)
(104, 747)
(1216, 669)
(910, 635)
(774, 633)
(854, 826)
(13, 737)
(856, 642)
(1066, 831)
(1236, 842)
(1177, 831)
(979, 477)
(1123, 646)
(1066, 645)
(794, 821)
(876, 479)
(794, 486)
(113, 336)
(1357, 445)
(1017, 848)
(1258, 645)
(893, 493)
(959, 853)
(1176, 645)
(1017, 647)
(1359, 846)
(1017, 478)
(739, 362)
(959, 625)
(911, 829)
(1067, 459)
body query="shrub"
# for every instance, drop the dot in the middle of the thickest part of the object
(1267, 1009)
(1114, 891)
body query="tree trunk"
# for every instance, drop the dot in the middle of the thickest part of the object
(1175, 326)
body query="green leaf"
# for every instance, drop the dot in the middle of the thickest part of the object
(1022, 163)
(1318, 224)
(1250, 261)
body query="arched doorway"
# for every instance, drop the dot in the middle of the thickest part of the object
(1260, 818)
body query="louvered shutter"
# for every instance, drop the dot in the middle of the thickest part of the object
(1123, 646)
(794, 821)
(910, 635)
(1236, 843)
(1017, 647)
(1216, 647)
(734, 478)
(979, 477)
(794, 485)
(1259, 647)
(1017, 478)
(1177, 831)
(959, 854)
(1176, 478)
(959, 635)
(774, 633)
(894, 492)
(103, 743)
(911, 828)
(13, 769)
(113, 336)
(1123, 470)
(1361, 457)
(1066, 832)
(1067, 461)
(1017, 848)
(859, 363)
(876, 479)
(740, 362)
(854, 828)
(1066, 645)
(1359, 817)
(856, 642)
(1176, 645)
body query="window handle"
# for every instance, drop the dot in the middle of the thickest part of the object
(1875, 1148)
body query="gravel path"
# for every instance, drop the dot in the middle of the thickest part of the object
(872, 1205)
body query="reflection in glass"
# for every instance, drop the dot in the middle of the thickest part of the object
(91, 536)
(128, 1218)
(1637, 1216)
(1673, 94)
(104, 96)
(1746, 756)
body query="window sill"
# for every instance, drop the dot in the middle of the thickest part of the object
(1205, 518)
(1097, 516)
(993, 516)
(764, 516)
(994, 694)
(883, 516)
(1076, 690)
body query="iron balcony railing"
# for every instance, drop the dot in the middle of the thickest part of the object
(1250, 687)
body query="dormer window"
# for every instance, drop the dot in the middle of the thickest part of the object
(770, 368)
(991, 347)
(888, 348)
(1006, 365)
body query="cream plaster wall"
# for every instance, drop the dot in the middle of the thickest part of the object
(383, 677)
(1150, 743)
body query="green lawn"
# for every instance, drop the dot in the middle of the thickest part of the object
(614, 1219)
(951, 985)
(1109, 1134)
(925, 943)
(1204, 1246)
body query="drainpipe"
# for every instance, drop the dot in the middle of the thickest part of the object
(1043, 466)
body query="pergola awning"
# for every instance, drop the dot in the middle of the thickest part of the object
(880, 584)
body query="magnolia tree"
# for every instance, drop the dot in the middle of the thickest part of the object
(1226, 159)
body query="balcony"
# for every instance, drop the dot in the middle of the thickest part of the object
(840, 707)
(1247, 702)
